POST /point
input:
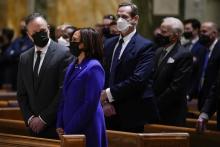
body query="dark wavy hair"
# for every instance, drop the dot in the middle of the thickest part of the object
(93, 44)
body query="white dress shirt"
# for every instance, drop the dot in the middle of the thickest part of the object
(43, 53)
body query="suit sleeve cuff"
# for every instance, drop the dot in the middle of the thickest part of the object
(203, 116)
(42, 120)
(29, 120)
(109, 95)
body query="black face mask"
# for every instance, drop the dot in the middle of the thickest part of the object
(204, 40)
(23, 32)
(74, 48)
(188, 35)
(40, 38)
(106, 31)
(161, 40)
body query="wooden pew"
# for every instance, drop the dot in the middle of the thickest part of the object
(126, 139)
(11, 113)
(8, 95)
(115, 138)
(73, 141)
(13, 127)
(3, 103)
(191, 123)
(207, 139)
(195, 115)
(9, 140)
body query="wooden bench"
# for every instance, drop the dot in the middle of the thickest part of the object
(3, 103)
(11, 113)
(126, 139)
(207, 139)
(115, 138)
(73, 141)
(191, 123)
(8, 95)
(13, 127)
(195, 115)
(9, 140)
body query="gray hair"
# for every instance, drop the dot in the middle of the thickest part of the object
(175, 24)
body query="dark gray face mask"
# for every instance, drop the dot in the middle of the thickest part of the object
(204, 40)
(188, 35)
(40, 38)
(161, 40)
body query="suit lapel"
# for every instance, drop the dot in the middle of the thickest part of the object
(214, 52)
(110, 50)
(30, 68)
(128, 49)
(74, 72)
(46, 61)
(157, 56)
(164, 61)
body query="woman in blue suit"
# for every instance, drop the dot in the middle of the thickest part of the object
(80, 111)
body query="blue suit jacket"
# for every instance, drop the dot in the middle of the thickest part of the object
(198, 52)
(80, 111)
(132, 81)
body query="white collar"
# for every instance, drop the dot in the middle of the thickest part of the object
(195, 40)
(213, 45)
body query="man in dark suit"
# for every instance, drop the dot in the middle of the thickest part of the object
(173, 65)
(128, 101)
(40, 76)
(211, 105)
(209, 100)
(211, 60)
(191, 34)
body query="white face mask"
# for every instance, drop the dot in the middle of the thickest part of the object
(122, 25)
(63, 41)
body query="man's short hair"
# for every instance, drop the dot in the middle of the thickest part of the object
(33, 16)
(195, 23)
(134, 8)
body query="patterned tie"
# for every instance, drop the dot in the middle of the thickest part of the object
(115, 61)
(36, 68)
(162, 55)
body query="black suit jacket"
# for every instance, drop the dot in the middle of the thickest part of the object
(132, 86)
(171, 79)
(210, 75)
(212, 103)
(44, 101)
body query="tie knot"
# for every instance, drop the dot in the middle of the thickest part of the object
(121, 41)
(38, 53)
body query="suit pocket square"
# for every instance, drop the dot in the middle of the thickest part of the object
(170, 60)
